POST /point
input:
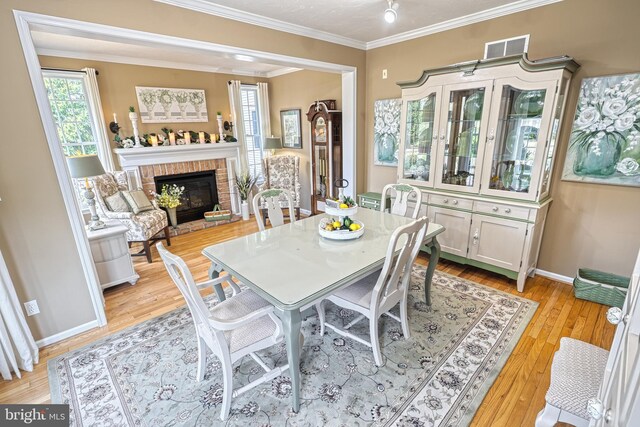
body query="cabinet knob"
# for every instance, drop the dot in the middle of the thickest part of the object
(495, 209)
(445, 200)
(615, 316)
(508, 210)
(455, 202)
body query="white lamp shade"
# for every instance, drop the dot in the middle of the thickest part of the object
(272, 143)
(84, 166)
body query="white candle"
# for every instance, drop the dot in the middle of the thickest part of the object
(115, 119)
(154, 140)
(201, 137)
(187, 137)
(172, 138)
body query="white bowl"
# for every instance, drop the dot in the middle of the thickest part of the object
(342, 234)
(341, 212)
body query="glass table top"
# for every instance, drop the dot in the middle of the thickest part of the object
(292, 265)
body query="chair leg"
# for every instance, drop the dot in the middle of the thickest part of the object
(320, 310)
(167, 235)
(375, 342)
(548, 417)
(404, 319)
(147, 250)
(227, 393)
(202, 359)
(297, 213)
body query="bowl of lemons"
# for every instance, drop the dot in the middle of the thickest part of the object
(343, 228)
(344, 206)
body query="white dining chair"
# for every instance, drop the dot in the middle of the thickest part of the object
(382, 290)
(271, 201)
(238, 326)
(400, 194)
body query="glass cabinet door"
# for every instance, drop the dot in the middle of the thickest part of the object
(517, 139)
(420, 116)
(462, 140)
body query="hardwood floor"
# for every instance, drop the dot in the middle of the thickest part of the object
(514, 399)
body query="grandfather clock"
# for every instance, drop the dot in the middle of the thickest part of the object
(326, 151)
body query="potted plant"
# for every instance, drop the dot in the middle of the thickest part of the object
(169, 199)
(244, 184)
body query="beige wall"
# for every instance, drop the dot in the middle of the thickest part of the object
(588, 225)
(299, 90)
(35, 235)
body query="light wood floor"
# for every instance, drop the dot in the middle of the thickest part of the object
(514, 399)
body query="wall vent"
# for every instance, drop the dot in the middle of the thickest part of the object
(506, 47)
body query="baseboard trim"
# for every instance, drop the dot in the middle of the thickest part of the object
(305, 212)
(67, 334)
(555, 276)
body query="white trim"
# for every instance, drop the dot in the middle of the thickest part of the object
(66, 334)
(554, 276)
(130, 157)
(349, 136)
(485, 15)
(262, 21)
(305, 212)
(148, 62)
(275, 24)
(64, 179)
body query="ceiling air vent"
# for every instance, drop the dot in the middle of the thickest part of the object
(506, 47)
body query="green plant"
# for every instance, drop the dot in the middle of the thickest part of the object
(169, 197)
(244, 184)
(131, 109)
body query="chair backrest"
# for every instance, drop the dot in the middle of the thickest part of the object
(181, 276)
(400, 194)
(105, 185)
(283, 172)
(272, 202)
(396, 271)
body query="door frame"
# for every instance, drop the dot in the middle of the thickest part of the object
(24, 20)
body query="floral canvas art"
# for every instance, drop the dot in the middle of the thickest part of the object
(386, 131)
(604, 146)
(163, 105)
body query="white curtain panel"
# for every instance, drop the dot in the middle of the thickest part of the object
(235, 102)
(19, 350)
(263, 105)
(102, 134)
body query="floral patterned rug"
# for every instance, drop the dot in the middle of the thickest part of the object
(144, 375)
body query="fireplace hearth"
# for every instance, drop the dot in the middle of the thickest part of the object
(200, 193)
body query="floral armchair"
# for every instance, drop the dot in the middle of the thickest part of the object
(143, 226)
(283, 172)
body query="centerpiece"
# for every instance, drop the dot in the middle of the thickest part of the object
(339, 225)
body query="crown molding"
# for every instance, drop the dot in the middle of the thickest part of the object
(132, 60)
(485, 15)
(262, 21)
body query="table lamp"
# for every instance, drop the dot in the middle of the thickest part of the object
(272, 143)
(86, 167)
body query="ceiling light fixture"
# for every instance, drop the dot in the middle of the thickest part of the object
(391, 13)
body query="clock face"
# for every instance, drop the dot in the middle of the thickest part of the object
(320, 130)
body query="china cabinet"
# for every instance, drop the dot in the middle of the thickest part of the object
(326, 151)
(479, 139)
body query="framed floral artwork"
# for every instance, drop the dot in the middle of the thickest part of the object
(604, 145)
(386, 131)
(165, 105)
(291, 128)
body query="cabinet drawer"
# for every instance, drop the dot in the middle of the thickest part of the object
(450, 201)
(369, 203)
(509, 211)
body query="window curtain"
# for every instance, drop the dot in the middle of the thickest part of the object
(104, 143)
(235, 102)
(18, 348)
(263, 108)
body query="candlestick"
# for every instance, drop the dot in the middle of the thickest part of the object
(187, 137)
(154, 140)
(115, 119)
(201, 137)
(172, 138)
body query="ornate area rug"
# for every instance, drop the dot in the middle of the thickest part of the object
(144, 375)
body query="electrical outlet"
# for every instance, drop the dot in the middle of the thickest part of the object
(31, 307)
(384, 73)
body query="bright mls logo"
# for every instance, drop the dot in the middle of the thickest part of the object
(34, 415)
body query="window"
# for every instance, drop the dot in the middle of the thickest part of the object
(71, 112)
(251, 118)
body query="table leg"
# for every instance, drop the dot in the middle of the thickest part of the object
(214, 273)
(291, 322)
(434, 248)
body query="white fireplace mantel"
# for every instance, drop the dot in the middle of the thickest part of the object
(133, 157)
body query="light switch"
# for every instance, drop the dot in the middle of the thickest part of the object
(384, 73)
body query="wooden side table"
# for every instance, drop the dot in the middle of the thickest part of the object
(371, 200)
(111, 254)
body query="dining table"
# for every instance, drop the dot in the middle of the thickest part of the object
(293, 267)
